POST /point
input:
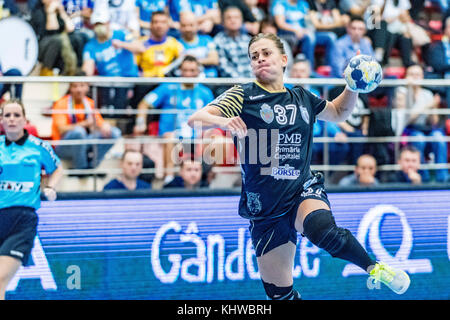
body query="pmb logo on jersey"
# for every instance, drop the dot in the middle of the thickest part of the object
(266, 113)
(285, 172)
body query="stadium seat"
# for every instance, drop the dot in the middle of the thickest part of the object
(324, 70)
(398, 72)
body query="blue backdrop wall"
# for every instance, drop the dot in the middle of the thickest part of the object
(183, 247)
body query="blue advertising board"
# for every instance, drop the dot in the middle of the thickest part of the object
(199, 248)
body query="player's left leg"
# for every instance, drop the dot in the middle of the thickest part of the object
(315, 221)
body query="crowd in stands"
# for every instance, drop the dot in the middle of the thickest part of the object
(209, 38)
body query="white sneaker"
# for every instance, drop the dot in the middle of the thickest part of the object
(397, 280)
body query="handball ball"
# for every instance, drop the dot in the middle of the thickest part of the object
(363, 74)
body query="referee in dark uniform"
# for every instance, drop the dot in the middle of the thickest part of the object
(22, 158)
(280, 195)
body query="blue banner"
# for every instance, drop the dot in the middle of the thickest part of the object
(199, 248)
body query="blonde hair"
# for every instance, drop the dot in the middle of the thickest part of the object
(270, 36)
(13, 101)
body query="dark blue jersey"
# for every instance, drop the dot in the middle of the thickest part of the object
(275, 155)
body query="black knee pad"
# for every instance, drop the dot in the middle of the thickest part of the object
(280, 293)
(320, 228)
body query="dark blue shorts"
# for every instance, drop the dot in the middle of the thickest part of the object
(18, 228)
(268, 234)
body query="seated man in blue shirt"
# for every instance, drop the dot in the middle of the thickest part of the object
(190, 176)
(183, 97)
(347, 46)
(364, 175)
(131, 163)
(409, 162)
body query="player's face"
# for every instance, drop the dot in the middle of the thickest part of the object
(132, 165)
(191, 172)
(13, 120)
(409, 161)
(266, 60)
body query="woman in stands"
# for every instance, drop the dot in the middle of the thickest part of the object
(22, 158)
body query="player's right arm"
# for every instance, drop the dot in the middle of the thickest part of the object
(223, 112)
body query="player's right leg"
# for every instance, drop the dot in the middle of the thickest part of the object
(8, 268)
(317, 223)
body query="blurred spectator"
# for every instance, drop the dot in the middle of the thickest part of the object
(355, 126)
(337, 150)
(148, 162)
(409, 162)
(17, 8)
(200, 46)
(364, 175)
(329, 24)
(154, 54)
(146, 9)
(354, 8)
(347, 46)
(107, 55)
(158, 51)
(123, 14)
(438, 57)
(232, 46)
(80, 12)
(7, 88)
(392, 30)
(301, 69)
(60, 46)
(268, 26)
(190, 176)
(290, 17)
(207, 12)
(184, 97)
(416, 123)
(131, 165)
(75, 118)
(443, 5)
(251, 23)
(257, 11)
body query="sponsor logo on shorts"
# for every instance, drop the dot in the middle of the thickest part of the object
(310, 192)
(16, 253)
(285, 173)
(253, 203)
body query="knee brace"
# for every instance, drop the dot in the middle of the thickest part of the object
(320, 228)
(280, 293)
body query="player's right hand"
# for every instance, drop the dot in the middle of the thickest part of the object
(236, 126)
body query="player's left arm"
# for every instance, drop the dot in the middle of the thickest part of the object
(339, 108)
